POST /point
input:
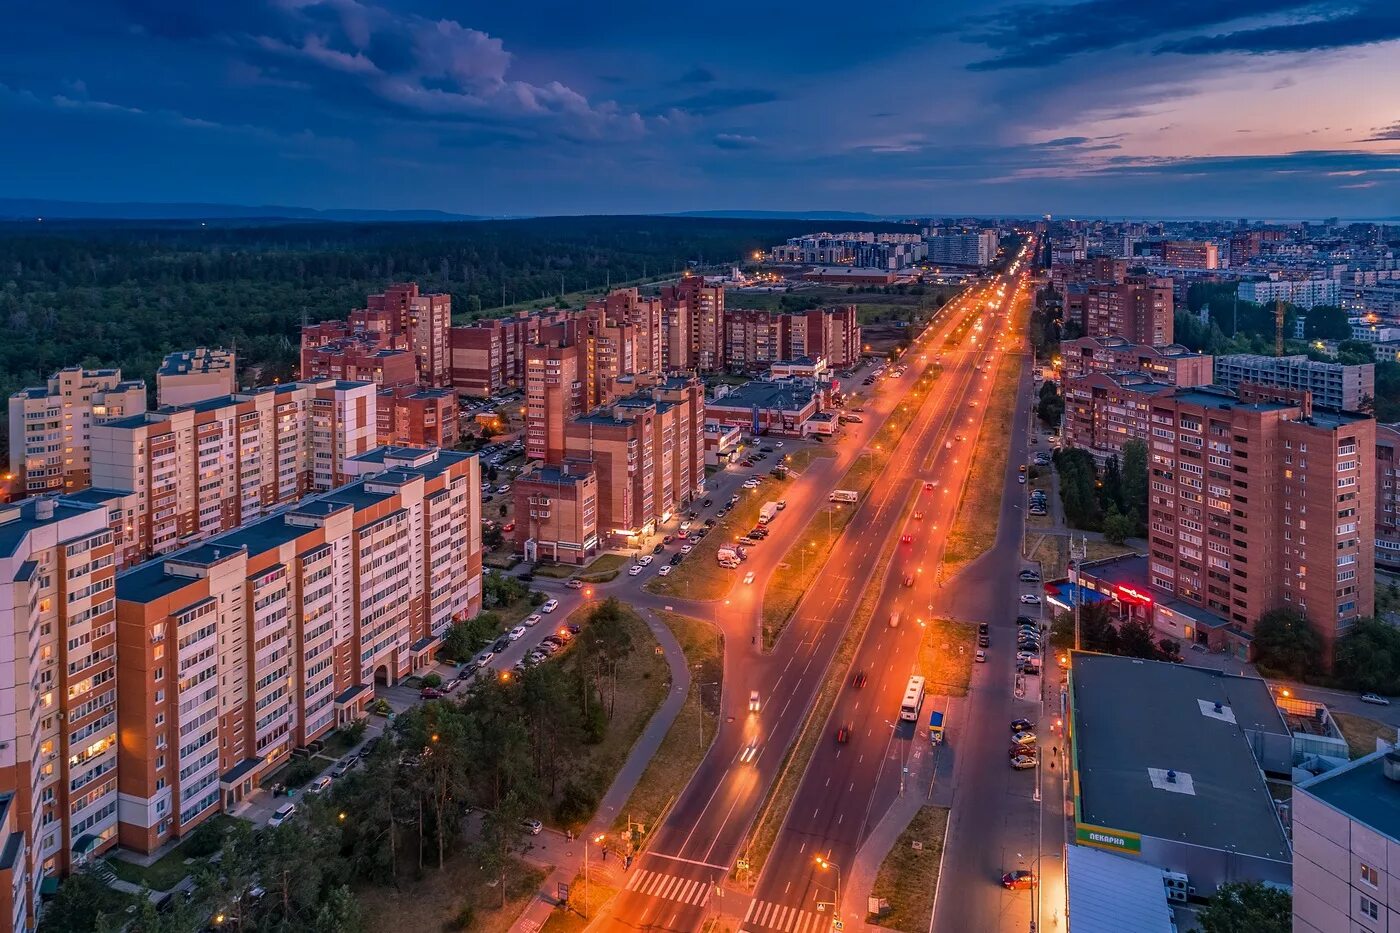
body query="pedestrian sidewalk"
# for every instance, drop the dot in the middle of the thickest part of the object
(567, 855)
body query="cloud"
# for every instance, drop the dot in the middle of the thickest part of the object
(721, 100)
(1063, 141)
(1383, 134)
(697, 75)
(736, 141)
(1366, 24)
(1026, 36)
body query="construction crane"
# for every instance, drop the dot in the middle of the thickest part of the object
(1278, 326)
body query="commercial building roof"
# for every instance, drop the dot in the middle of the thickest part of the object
(1361, 790)
(1110, 894)
(1155, 757)
(781, 395)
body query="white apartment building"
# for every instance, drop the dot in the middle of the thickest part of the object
(1305, 293)
(209, 467)
(1346, 848)
(50, 425)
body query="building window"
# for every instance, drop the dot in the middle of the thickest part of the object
(1370, 876)
(1369, 908)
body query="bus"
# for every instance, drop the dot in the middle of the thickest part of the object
(913, 699)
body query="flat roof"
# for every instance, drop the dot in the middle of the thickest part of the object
(1135, 721)
(1361, 790)
(1108, 894)
(1220, 398)
(766, 393)
(22, 517)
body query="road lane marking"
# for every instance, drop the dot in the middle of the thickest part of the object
(688, 861)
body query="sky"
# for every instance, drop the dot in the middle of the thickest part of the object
(1255, 108)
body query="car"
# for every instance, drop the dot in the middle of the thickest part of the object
(485, 657)
(501, 644)
(709, 523)
(660, 546)
(754, 702)
(1024, 762)
(748, 577)
(751, 484)
(430, 693)
(906, 539)
(1024, 738)
(1018, 880)
(695, 537)
(982, 628)
(282, 814)
(644, 560)
(981, 655)
(858, 679)
(531, 825)
(949, 445)
(780, 443)
(503, 489)
(1030, 599)
(843, 735)
(550, 605)
(961, 437)
(634, 570)
(708, 502)
(320, 785)
(687, 548)
(1027, 620)
(574, 584)
(508, 527)
(1021, 480)
(1023, 468)
(1030, 576)
(984, 641)
(533, 619)
(918, 516)
(929, 484)
(1021, 725)
(766, 450)
(676, 558)
(1375, 699)
(908, 579)
(664, 571)
(516, 633)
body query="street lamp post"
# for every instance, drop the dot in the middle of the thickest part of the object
(586, 844)
(827, 863)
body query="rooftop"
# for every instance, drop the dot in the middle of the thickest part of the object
(1361, 791)
(18, 519)
(200, 360)
(555, 475)
(1108, 893)
(1153, 756)
(1224, 400)
(767, 394)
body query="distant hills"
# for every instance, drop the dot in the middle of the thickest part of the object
(796, 215)
(34, 208)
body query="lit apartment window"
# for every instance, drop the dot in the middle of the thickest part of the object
(1370, 876)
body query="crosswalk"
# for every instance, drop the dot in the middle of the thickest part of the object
(783, 918)
(670, 887)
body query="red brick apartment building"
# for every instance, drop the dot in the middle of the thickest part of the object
(693, 320)
(1172, 364)
(489, 355)
(1139, 309)
(1260, 504)
(400, 339)
(354, 358)
(1105, 410)
(556, 513)
(412, 417)
(1388, 496)
(237, 650)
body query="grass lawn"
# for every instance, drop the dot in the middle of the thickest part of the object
(501, 560)
(975, 529)
(1052, 551)
(635, 693)
(796, 575)
(436, 901)
(800, 460)
(604, 568)
(945, 656)
(690, 735)
(1361, 732)
(700, 576)
(780, 795)
(908, 877)
(168, 870)
(571, 920)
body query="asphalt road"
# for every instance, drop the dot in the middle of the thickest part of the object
(673, 885)
(848, 787)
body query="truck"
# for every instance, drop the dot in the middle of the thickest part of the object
(767, 513)
(728, 557)
(935, 727)
(843, 495)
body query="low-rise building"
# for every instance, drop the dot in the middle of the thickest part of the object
(241, 648)
(190, 376)
(767, 406)
(721, 442)
(1346, 847)
(1333, 385)
(1172, 364)
(1178, 782)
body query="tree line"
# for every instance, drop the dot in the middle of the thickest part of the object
(1112, 498)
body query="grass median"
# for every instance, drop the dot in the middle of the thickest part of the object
(764, 831)
(975, 528)
(700, 576)
(1361, 732)
(946, 652)
(694, 729)
(806, 557)
(908, 877)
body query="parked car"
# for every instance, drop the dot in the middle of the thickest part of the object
(634, 570)
(501, 644)
(984, 641)
(574, 584)
(1017, 880)
(282, 814)
(1374, 699)
(676, 559)
(981, 655)
(1021, 725)
(645, 559)
(344, 766)
(1024, 762)
(664, 571)
(533, 619)
(532, 826)
(516, 633)
(1030, 599)
(1030, 576)
(320, 785)
(1024, 738)
(550, 605)
(430, 693)
(485, 657)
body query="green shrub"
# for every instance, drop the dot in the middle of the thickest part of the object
(432, 680)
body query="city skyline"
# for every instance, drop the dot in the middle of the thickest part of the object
(1271, 108)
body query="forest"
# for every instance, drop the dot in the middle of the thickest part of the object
(126, 293)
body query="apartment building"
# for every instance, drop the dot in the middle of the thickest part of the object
(412, 417)
(1106, 269)
(1105, 410)
(963, 249)
(644, 315)
(647, 450)
(358, 358)
(755, 339)
(488, 356)
(1333, 385)
(830, 333)
(1172, 364)
(1387, 496)
(50, 426)
(401, 338)
(699, 310)
(1235, 484)
(422, 322)
(241, 648)
(189, 376)
(203, 469)
(1305, 293)
(1139, 309)
(1191, 254)
(58, 724)
(556, 513)
(558, 388)
(1346, 835)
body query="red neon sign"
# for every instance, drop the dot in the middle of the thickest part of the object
(1127, 592)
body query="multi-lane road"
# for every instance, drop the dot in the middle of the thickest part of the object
(847, 787)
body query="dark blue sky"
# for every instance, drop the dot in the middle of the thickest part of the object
(1164, 107)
